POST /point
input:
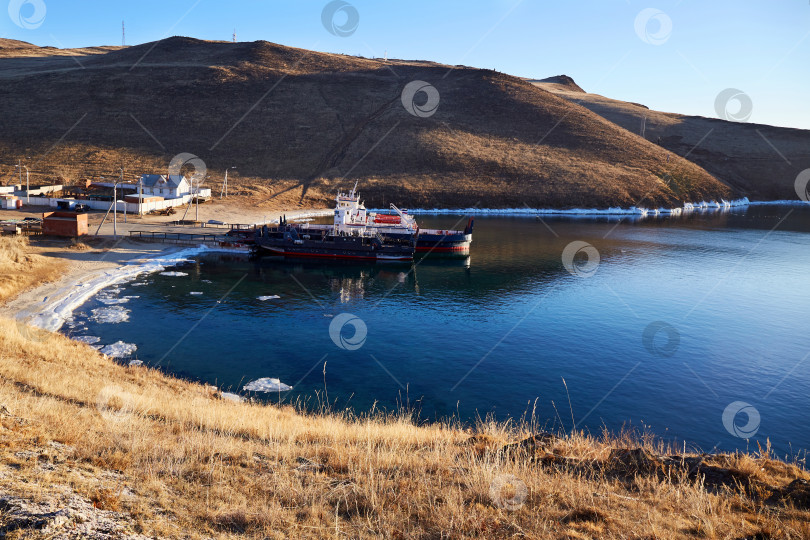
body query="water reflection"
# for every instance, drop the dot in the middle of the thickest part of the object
(510, 323)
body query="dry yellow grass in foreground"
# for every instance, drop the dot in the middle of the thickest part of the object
(20, 268)
(171, 458)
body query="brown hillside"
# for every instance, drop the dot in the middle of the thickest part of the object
(744, 155)
(11, 48)
(14, 44)
(297, 124)
(559, 82)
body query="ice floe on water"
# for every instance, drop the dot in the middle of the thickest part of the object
(109, 296)
(110, 315)
(74, 324)
(112, 301)
(90, 340)
(195, 293)
(141, 284)
(111, 291)
(232, 397)
(119, 349)
(796, 202)
(174, 274)
(585, 212)
(264, 298)
(135, 363)
(52, 313)
(266, 384)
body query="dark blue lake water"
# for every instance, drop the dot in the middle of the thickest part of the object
(695, 328)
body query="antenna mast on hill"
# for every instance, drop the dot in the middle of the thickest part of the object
(123, 34)
(234, 35)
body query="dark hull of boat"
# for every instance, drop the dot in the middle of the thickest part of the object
(442, 243)
(437, 242)
(336, 247)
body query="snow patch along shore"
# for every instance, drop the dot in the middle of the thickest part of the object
(232, 397)
(52, 315)
(306, 215)
(797, 202)
(583, 212)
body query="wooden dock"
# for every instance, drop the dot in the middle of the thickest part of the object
(182, 238)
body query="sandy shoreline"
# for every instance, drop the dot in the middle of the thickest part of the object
(88, 271)
(50, 305)
(82, 267)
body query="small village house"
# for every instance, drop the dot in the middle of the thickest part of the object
(166, 186)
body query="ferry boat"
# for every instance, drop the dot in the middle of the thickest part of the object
(337, 241)
(400, 225)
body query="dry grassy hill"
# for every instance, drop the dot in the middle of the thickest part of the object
(297, 124)
(11, 48)
(14, 44)
(559, 83)
(746, 156)
(21, 269)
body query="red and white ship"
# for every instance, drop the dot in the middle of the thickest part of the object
(351, 213)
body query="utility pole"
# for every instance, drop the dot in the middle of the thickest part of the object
(123, 34)
(197, 202)
(20, 166)
(225, 183)
(234, 35)
(115, 205)
(115, 210)
(125, 196)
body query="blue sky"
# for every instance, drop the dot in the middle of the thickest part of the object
(759, 47)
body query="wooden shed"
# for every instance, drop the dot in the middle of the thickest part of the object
(68, 224)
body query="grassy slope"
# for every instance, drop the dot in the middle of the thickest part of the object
(21, 267)
(744, 155)
(179, 461)
(317, 121)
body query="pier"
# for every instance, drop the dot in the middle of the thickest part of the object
(186, 239)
